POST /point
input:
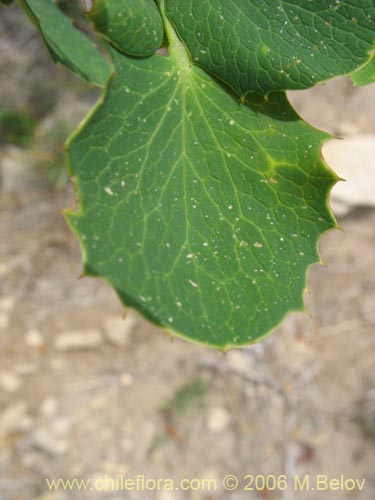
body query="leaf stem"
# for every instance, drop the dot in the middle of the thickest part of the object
(175, 46)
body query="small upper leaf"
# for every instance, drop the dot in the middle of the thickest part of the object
(260, 46)
(66, 44)
(132, 26)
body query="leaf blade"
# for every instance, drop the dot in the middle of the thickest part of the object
(184, 194)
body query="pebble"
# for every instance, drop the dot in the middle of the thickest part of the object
(61, 426)
(15, 418)
(218, 419)
(10, 382)
(238, 360)
(48, 407)
(353, 159)
(34, 338)
(126, 379)
(48, 442)
(77, 340)
(118, 330)
(7, 303)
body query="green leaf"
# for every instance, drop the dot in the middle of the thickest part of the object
(365, 75)
(5, 2)
(132, 26)
(66, 44)
(259, 46)
(201, 210)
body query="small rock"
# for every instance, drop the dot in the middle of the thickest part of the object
(353, 159)
(126, 379)
(61, 426)
(48, 442)
(76, 340)
(7, 303)
(10, 382)
(34, 338)
(48, 408)
(218, 419)
(238, 360)
(14, 418)
(118, 330)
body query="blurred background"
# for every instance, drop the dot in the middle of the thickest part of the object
(85, 393)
